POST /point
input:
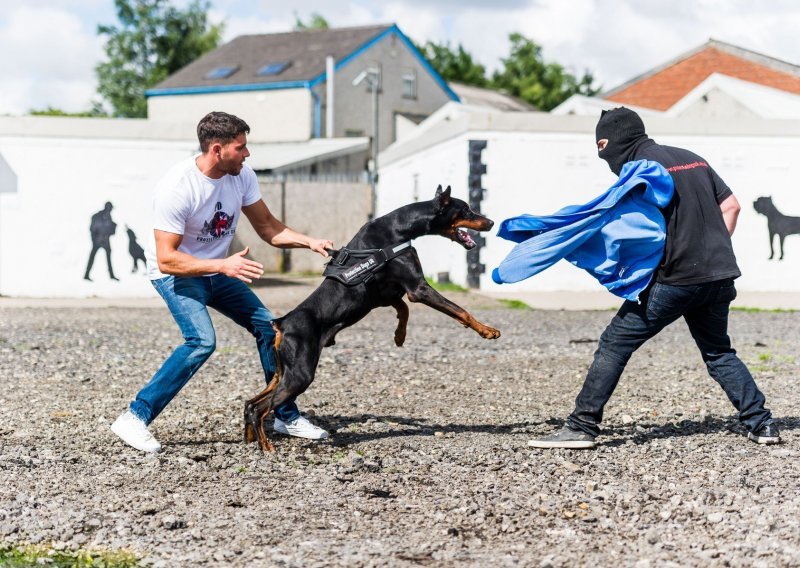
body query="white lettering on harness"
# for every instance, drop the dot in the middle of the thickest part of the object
(358, 269)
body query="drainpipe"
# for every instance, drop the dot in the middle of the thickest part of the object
(329, 96)
(317, 112)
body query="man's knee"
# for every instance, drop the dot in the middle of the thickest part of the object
(613, 349)
(262, 325)
(203, 345)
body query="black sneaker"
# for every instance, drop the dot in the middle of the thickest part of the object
(766, 434)
(565, 438)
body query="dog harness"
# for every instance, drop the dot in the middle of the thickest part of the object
(358, 266)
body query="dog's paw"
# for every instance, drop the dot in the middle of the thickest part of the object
(489, 332)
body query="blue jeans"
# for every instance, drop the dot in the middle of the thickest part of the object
(705, 309)
(188, 300)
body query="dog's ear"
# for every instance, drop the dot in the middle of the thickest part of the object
(441, 199)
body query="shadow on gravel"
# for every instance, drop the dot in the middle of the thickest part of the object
(400, 427)
(644, 433)
(205, 441)
(275, 282)
(403, 426)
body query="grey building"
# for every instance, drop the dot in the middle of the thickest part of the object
(281, 85)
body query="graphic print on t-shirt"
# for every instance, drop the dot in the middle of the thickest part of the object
(219, 226)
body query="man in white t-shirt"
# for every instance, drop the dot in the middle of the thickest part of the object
(197, 207)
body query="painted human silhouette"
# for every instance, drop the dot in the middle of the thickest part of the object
(101, 229)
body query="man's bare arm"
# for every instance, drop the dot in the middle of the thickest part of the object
(730, 212)
(279, 235)
(177, 263)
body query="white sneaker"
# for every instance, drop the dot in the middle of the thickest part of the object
(301, 428)
(134, 432)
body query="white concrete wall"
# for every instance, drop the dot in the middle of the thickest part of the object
(62, 182)
(283, 115)
(539, 172)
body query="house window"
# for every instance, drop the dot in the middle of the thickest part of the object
(221, 72)
(274, 68)
(410, 85)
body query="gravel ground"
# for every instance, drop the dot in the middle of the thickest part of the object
(428, 462)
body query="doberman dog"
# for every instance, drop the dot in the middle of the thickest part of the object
(306, 330)
(777, 223)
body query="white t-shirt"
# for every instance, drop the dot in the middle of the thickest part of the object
(204, 210)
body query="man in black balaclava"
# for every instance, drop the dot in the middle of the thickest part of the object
(694, 280)
(624, 132)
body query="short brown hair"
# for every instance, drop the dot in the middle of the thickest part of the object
(221, 127)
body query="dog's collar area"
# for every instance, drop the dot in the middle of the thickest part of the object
(357, 266)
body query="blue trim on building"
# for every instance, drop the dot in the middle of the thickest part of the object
(348, 58)
(317, 113)
(316, 80)
(227, 88)
(392, 30)
(435, 74)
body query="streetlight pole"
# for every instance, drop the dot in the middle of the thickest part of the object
(373, 77)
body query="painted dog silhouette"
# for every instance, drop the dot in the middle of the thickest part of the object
(135, 249)
(777, 223)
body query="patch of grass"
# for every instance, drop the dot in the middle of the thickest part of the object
(241, 469)
(25, 556)
(515, 304)
(751, 310)
(445, 286)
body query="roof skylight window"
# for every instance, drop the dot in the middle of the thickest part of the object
(221, 72)
(273, 68)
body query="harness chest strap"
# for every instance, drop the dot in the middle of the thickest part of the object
(353, 266)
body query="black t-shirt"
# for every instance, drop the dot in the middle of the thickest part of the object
(698, 247)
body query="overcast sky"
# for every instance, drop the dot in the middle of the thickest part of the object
(51, 47)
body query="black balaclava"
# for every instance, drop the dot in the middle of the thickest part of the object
(625, 133)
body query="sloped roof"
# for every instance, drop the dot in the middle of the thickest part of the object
(759, 100)
(305, 50)
(282, 155)
(582, 105)
(662, 87)
(492, 98)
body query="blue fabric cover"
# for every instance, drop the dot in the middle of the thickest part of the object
(618, 237)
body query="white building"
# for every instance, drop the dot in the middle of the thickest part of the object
(538, 163)
(56, 172)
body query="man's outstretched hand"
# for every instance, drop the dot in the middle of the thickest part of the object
(237, 266)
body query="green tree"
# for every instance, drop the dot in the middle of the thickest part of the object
(154, 39)
(96, 111)
(317, 22)
(454, 65)
(526, 75)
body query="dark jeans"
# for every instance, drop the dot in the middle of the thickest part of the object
(705, 309)
(188, 299)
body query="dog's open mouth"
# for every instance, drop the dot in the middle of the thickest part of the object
(463, 237)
